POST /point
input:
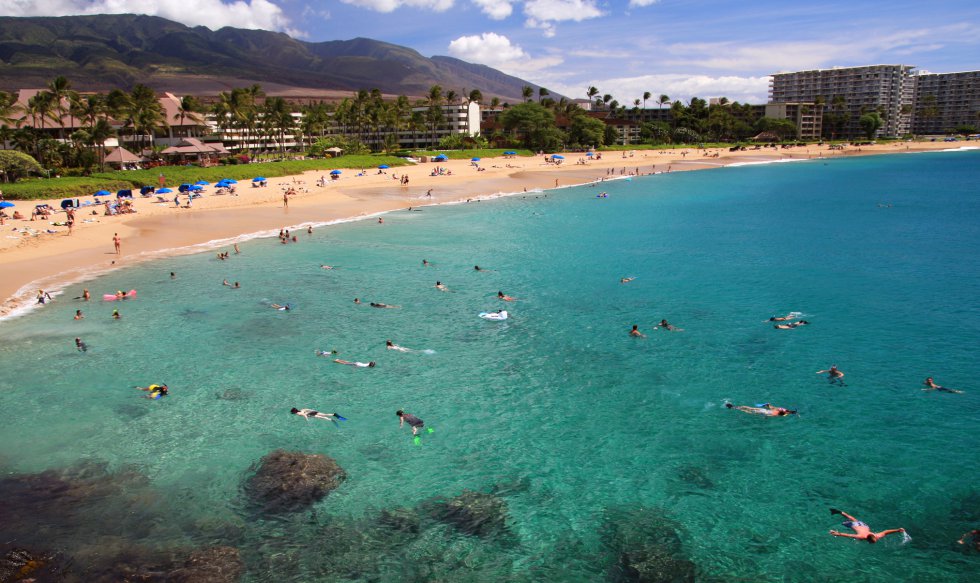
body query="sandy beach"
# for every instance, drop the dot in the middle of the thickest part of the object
(54, 261)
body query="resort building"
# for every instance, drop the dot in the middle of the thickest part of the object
(848, 93)
(807, 117)
(946, 101)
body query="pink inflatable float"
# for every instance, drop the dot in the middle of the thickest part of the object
(114, 297)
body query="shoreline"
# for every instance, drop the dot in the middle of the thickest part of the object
(55, 261)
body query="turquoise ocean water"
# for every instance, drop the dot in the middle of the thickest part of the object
(557, 411)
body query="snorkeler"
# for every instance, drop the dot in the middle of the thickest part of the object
(116, 315)
(862, 531)
(380, 305)
(833, 374)
(974, 538)
(791, 325)
(667, 326)
(506, 298)
(441, 286)
(81, 346)
(425, 263)
(325, 353)
(412, 420)
(311, 413)
(789, 316)
(371, 364)
(156, 391)
(389, 345)
(766, 410)
(284, 308)
(636, 332)
(326, 266)
(626, 279)
(932, 386)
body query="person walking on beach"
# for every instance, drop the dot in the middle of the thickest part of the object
(412, 420)
(861, 530)
(117, 243)
(285, 200)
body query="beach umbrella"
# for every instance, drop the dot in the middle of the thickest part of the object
(196, 187)
(164, 191)
(335, 172)
(474, 159)
(557, 157)
(202, 183)
(259, 179)
(102, 193)
(6, 205)
(510, 153)
(229, 181)
(384, 167)
(590, 154)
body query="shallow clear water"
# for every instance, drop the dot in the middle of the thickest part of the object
(557, 410)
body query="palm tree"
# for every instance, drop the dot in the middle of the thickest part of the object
(476, 96)
(607, 99)
(542, 93)
(62, 95)
(527, 93)
(97, 136)
(646, 95)
(663, 100)
(494, 102)
(278, 120)
(144, 113)
(452, 97)
(189, 107)
(591, 92)
(434, 113)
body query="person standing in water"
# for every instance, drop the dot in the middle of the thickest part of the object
(636, 332)
(861, 530)
(81, 346)
(834, 374)
(412, 420)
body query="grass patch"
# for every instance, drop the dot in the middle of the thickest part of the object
(68, 187)
(467, 154)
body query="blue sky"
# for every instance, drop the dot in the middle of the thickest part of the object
(682, 48)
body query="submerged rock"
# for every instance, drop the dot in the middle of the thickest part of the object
(646, 547)
(696, 477)
(286, 481)
(23, 565)
(474, 513)
(211, 565)
(400, 520)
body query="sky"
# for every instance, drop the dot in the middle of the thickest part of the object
(680, 48)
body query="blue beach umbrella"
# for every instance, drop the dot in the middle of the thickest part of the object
(6, 205)
(164, 191)
(196, 187)
(510, 153)
(384, 167)
(229, 181)
(202, 183)
(335, 172)
(474, 159)
(102, 193)
(259, 179)
(557, 157)
(590, 154)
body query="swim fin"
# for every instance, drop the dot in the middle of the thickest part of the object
(417, 440)
(835, 511)
(337, 415)
(429, 429)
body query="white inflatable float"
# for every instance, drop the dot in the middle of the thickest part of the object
(498, 315)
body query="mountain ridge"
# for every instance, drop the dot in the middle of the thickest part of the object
(102, 52)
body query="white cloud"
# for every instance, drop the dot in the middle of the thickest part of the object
(497, 51)
(392, 5)
(677, 86)
(642, 3)
(495, 9)
(214, 14)
(559, 10)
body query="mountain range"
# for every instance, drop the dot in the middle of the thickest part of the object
(102, 52)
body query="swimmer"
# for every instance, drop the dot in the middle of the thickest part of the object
(626, 279)
(322, 266)
(862, 531)
(506, 298)
(636, 332)
(173, 275)
(41, 295)
(389, 345)
(325, 353)
(668, 326)
(81, 346)
(78, 315)
(791, 325)
(371, 364)
(765, 410)
(309, 231)
(116, 315)
(477, 268)
(357, 300)
(312, 413)
(379, 305)
(441, 287)
(85, 296)
(280, 308)
(120, 295)
(236, 249)
(833, 374)
(974, 538)
(425, 263)
(412, 420)
(782, 318)
(929, 383)
(156, 391)
(381, 221)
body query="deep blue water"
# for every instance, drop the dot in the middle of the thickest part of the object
(558, 411)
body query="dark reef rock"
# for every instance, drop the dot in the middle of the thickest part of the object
(211, 565)
(400, 520)
(695, 476)
(286, 481)
(646, 548)
(474, 513)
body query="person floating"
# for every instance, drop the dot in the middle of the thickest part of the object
(834, 374)
(504, 297)
(425, 263)
(81, 346)
(791, 325)
(281, 308)
(371, 364)
(380, 305)
(765, 409)
(861, 530)
(412, 420)
(233, 286)
(636, 332)
(789, 316)
(974, 538)
(932, 386)
(668, 326)
(326, 353)
(441, 286)
(311, 413)
(156, 391)
(626, 279)
(389, 345)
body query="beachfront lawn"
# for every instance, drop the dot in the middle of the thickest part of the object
(469, 154)
(73, 187)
